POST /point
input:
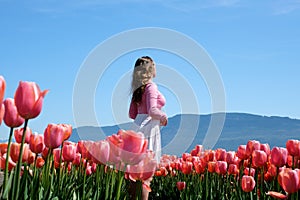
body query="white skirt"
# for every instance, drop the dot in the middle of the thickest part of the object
(151, 130)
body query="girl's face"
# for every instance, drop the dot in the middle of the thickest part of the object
(154, 70)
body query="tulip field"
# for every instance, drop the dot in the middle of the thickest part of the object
(49, 166)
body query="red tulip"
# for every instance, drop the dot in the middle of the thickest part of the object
(200, 166)
(134, 148)
(251, 146)
(27, 155)
(289, 180)
(220, 155)
(248, 183)
(29, 99)
(209, 155)
(19, 132)
(2, 91)
(69, 152)
(11, 163)
(293, 147)
(259, 158)
(54, 135)
(3, 148)
(187, 167)
(11, 116)
(278, 156)
(100, 152)
(15, 151)
(45, 153)
(162, 171)
(197, 150)
(180, 185)
(40, 162)
(233, 169)
(291, 159)
(36, 143)
(211, 166)
(186, 156)
(221, 167)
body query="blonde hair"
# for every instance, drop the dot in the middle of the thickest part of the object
(142, 74)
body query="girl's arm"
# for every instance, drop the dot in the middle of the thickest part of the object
(151, 96)
(132, 110)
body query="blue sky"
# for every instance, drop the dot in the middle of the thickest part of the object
(254, 44)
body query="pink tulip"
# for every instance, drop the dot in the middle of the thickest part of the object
(289, 180)
(69, 152)
(221, 167)
(230, 157)
(2, 112)
(36, 143)
(249, 172)
(248, 183)
(129, 146)
(241, 152)
(2, 91)
(251, 146)
(19, 132)
(11, 116)
(277, 195)
(259, 158)
(54, 135)
(67, 131)
(56, 158)
(265, 148)
(100, 152)
(278, 156)
(77, 159)
(83, 147)
(293, 147)
(144, 170)
(29, 99)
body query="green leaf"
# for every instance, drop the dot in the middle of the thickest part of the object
(8, 185)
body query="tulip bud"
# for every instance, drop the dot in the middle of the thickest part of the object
(248, 183)
(29, 99)
(11, 116)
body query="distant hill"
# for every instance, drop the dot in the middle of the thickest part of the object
(185, 131)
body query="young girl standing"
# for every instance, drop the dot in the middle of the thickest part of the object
(146, 104)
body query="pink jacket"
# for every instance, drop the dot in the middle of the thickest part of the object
(151, 104)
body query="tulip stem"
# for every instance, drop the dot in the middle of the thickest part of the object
(7, 159)
(17, 179)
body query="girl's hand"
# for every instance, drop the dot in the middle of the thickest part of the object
(163, 120)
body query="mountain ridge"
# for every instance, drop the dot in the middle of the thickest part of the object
(184, 131)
